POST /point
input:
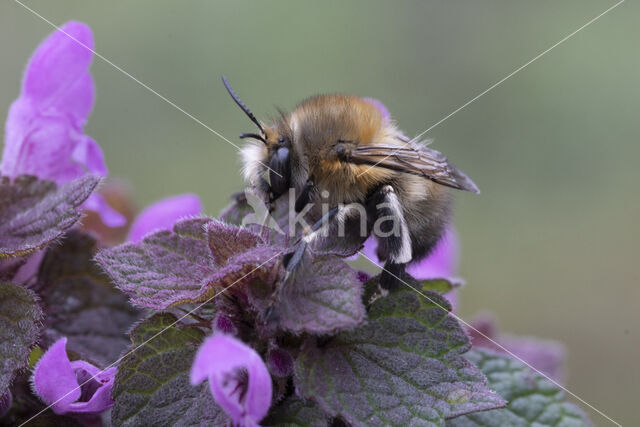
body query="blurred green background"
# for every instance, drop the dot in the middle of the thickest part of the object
(552, 244)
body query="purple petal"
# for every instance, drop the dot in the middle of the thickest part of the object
(55, 380)
(29, 269)
(57, 74)
(103, 380)
(223, 324)
(40, 145)
(163, 214)
(380, 106)
(109, 216)
(89, 154)
(442, 262)
(280, 362)
(220, 358)
(547, 356)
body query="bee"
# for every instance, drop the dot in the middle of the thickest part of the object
(347, 149)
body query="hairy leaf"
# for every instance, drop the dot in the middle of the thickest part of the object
(296, 412)
(403, 367)
(152, 384)
(532, 399)
(324, 297)
(34, 213)
(185, 266)
(82, 303)
(19, 327)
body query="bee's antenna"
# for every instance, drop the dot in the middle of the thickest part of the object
(252, 135)
(243, 107)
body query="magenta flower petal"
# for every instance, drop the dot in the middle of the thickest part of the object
(57, 75)
(89, 154)
(63, 384)
(442, 262)
(109, 216)
(163, 214)
(238, 378)
(380, 106)
(44, 130)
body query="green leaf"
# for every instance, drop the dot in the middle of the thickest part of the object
(441, 286)
(33, 213)
(403, 367)
(532, 399)
(81, 302)
(296, 412)
(152, 384)
(19, 329)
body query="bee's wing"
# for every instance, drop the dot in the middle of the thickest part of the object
(417, 160)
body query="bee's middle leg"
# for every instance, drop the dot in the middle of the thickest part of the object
(391, 232)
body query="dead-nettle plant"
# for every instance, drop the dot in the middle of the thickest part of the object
(183, 319)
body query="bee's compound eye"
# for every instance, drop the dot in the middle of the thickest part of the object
(280, 172)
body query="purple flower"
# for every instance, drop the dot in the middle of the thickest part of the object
(68, 386)
(44, 129)
(442, 263)
(238, 378)
(163, 214)
(380, 106)
(548, 356)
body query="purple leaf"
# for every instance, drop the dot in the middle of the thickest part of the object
(44, 129)
(33, 212)
(19, 329)
(532, 399)
(226, 242)
(152, 385)
(322, 298)
(176, 267)
(403, 367)
(75, 386)
(297, 412)
(163, 214)
(81, 303)
(238, 378)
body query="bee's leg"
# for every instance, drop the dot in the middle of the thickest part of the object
(292, 259)
(305, 196)
(392, 234)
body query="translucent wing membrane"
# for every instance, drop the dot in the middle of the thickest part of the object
(417, 160)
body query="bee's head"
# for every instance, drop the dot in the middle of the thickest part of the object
(268, 153)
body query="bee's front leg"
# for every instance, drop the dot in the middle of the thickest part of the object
(391, 231)
(292, 259)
